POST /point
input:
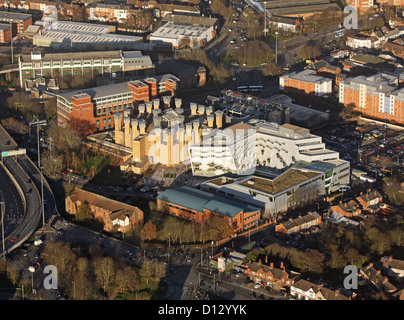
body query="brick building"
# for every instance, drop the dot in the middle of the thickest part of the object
(307, 290)
(305, 82)
(348, 209)
(377, 96)
(271, 276)
(370, 200)
(198, 206)
(20, 21)
(298, 224)
(5, 33)
(116, 216)
(92, 110)
(362, 6)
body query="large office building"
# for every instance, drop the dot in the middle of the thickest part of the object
(268, 146)
(5, 33)
(231, 150)
(280, 146)
(67, 34)
(20, 21)
(92, 110)
(92, 63)
(305, 82)
(291, 189)
(378, 96)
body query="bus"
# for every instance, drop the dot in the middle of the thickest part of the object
(242, 88)
(339, 33)
(255, 88)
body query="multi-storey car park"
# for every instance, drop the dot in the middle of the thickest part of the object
(92, 63)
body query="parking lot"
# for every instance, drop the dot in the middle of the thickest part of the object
(375, 149)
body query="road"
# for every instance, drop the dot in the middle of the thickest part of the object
(28, 221)
(14, 210)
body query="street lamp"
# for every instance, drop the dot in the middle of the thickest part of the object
(32, 270)
(11, 42)
(42, 201)
(276, 46)
(2, 227)
(265, 19)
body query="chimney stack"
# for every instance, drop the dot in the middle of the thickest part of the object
(142, 108)
(178, 103)
(201, 109)
(219, 118)
(211, 119)
(142, 126)
(193, 107)
(149, 107)
(156, 103)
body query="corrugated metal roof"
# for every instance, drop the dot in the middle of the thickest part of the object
(198, 200)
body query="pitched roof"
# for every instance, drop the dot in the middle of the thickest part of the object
(116, 208)
(370, 196)
(393, 263)
(328, 294)
(369, 272)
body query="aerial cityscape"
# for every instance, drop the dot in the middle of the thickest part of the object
(202, 150)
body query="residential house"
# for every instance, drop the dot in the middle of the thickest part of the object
(228, 259)
(349, 209)
(268, 275)
(370, 200)
(399, 295)
(373, 277)
(394, 267)
(298, 224)
(394, 48)
(303, 289)
(116, 216)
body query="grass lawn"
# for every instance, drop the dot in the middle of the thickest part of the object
(145, 292)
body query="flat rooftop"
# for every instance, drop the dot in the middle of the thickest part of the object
(173, 30)
(74, 55)
(283, 182)
(111, 89)
(5, 15)
(81, 27)
(86, 37)
(307, 75)
(4, 26)
(295, 7)
(190, 20)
